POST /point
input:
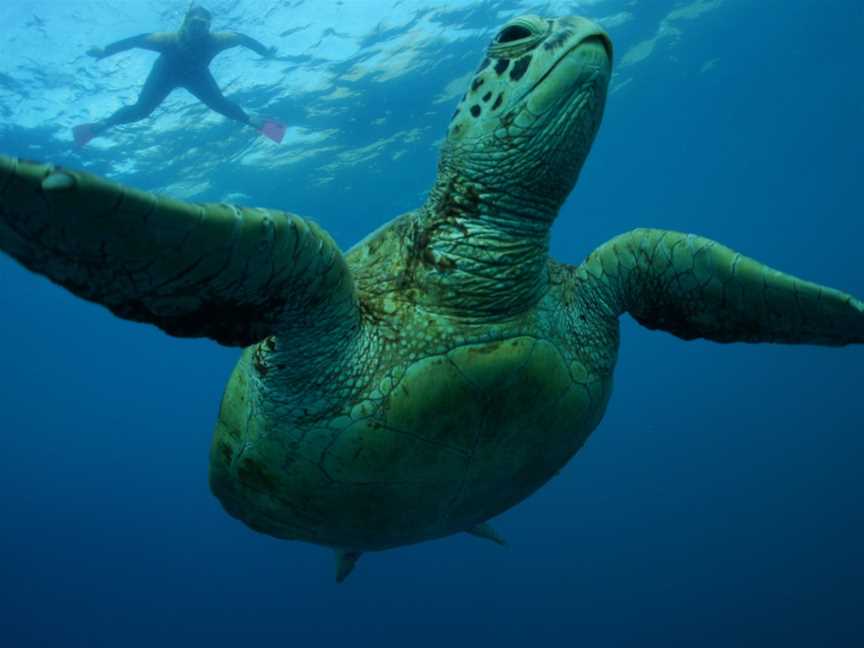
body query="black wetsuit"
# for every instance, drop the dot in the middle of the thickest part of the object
(181, 65)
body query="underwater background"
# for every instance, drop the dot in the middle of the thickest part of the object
(719, 503)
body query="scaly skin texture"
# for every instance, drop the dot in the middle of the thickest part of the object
(693, 288)
(445, 367)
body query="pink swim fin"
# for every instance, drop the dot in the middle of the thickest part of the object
(83, 134)
(273, 129)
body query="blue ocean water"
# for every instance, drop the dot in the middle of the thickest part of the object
(719, 502)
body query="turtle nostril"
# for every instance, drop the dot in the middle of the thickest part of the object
(513, 33)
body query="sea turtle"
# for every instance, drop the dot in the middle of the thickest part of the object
(445, 367)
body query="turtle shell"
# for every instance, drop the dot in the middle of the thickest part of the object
(459, 437)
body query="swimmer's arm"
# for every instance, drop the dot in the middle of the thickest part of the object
(227, 40)
(155, 42)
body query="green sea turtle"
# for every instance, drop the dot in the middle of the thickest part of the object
(445, 367)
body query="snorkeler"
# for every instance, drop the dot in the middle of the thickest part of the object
(184, 60)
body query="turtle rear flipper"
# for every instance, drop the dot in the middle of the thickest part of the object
(486, 532)
(345, 563)
(235, 275)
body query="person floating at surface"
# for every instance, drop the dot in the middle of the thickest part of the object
(184, 60)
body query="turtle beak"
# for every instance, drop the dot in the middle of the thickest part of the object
(603, 39)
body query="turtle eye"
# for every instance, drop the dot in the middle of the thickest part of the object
(513, 33)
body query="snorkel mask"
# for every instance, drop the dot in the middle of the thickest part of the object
(196, 23)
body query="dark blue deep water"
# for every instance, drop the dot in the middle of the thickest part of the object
(719, 503)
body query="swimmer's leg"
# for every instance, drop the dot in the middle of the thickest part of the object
(157, 87)
(205, 88)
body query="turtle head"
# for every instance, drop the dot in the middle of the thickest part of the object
(526, 123)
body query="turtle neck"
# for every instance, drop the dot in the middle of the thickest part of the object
(478, 252)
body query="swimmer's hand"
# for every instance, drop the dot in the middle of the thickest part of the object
(96, 52)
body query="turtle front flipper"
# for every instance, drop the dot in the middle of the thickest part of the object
(693, 287)
(235, 275)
